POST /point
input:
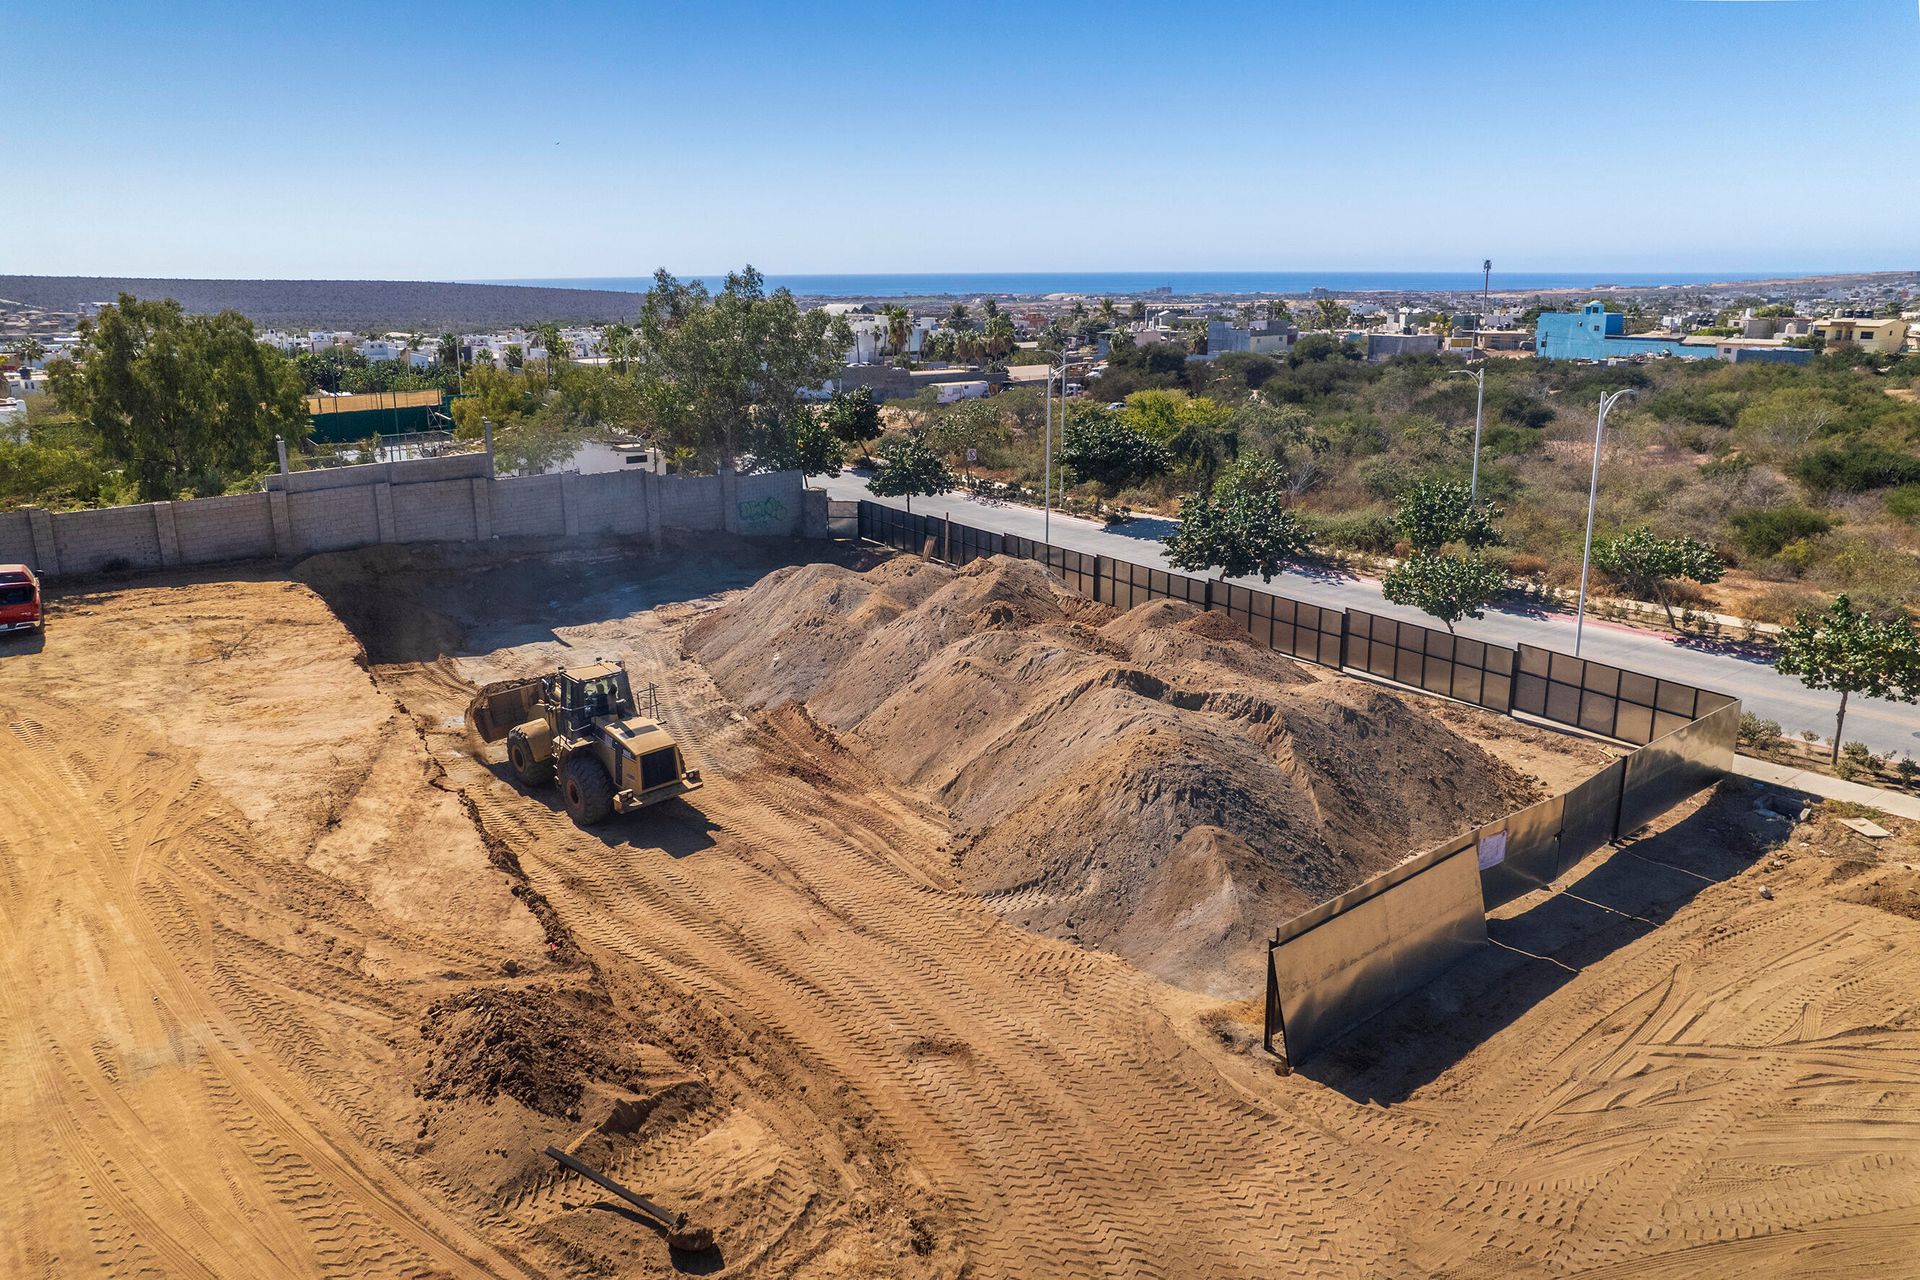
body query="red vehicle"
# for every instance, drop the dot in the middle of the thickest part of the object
(20, 599)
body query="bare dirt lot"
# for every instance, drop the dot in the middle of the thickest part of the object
(297, 981)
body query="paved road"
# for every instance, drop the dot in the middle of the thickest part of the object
(1883, 726)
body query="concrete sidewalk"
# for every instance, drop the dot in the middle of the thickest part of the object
(1789, 778)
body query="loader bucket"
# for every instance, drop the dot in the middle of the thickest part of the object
(500, 706)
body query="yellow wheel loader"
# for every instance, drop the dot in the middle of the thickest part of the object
(583, 726)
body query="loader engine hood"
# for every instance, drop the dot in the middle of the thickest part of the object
(637, 734)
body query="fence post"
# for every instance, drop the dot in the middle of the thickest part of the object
(1343, 640)
(946, 538)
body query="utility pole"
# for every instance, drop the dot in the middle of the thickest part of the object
(1486, 290)
(1046, 497)
(1479, 405)
(1607, 402)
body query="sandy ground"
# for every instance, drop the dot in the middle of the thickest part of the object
(295, 983)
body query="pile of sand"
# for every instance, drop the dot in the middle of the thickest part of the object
(1148, 782)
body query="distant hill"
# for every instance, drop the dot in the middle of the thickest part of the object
(424, 305)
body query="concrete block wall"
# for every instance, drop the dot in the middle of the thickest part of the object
(528, 506)
(333, 519)
(442, 511)
(16, 538)
(238, 527)
(690, 502)
(118, 537)
(767, 503)
(399, 502)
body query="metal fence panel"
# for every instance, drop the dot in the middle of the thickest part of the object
(1674, 766)
(1437, 661)
(1358, 954)
(1605, 699)
(1526, 855)
(1592, 811)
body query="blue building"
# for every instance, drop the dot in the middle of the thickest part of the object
(1595, 333)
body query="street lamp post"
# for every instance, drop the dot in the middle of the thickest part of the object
(1046, 519)
(1607, 402)
(1479, 404)
(1046, 495)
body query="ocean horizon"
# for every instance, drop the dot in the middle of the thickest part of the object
(1121, 283)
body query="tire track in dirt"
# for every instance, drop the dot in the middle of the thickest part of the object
(178, 1140)
(1028, 1079)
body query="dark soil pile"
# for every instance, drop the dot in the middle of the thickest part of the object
(540, 1045)
(1149, 782)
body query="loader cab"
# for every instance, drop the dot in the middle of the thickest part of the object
(582, 695)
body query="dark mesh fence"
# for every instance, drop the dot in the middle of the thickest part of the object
(1606, 699)
(1437, 661)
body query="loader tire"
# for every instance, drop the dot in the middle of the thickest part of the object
(586, 790)
(531, 772)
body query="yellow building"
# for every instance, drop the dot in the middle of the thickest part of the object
(1882, 337)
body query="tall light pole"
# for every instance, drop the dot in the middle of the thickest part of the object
(1607, 402)
(1046, 519)
(1486, 289)
(1046, 496)
(1479, 403)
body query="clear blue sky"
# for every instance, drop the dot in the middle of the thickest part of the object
(485, 140)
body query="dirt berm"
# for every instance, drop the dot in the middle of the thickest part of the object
(1148, 782)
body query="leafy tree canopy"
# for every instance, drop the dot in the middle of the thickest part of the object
(1647, 566)
(1433, 513)
(183, 403)
(909, 469)
(1450, 587)
(714, 367)
(853, 416)
(800, 443)
(1239, 534)
(1848, 651)
(1104, 448)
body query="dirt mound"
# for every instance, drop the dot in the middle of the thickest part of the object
(540, 1045)
(1147, 782)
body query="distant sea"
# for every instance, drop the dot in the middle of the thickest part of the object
(1126, 283)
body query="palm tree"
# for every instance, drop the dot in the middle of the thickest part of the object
(899, 328)
(1108, 312)
(617, 341)
(1443, 325)
(549, 335)
(29, 349)
(957, 317)
(1332, 315)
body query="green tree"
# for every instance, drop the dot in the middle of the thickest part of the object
(616, 342)
(712, 367)
(181, 402)
(1102, 448)
(957, 318)
(1332, 315)
(1238, 534)
(853, 416)
(899, 328)
(800, 443)
(1434, 513)
(1646, 567)
(1450, 587)
(1254, 474)
(909, 468)
(1851, 652)
(29, 349)
(552, 343)
(448, 351)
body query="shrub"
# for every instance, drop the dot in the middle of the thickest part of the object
(1757, 733)
(1904, 503)
(1854, 466)
(1766, 531)
(1366, 531)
